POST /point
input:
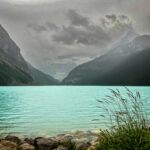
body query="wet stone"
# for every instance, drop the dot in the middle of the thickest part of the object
(45, 143)
(26, 146)
(14, 139)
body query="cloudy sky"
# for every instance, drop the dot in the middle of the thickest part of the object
(57, 35)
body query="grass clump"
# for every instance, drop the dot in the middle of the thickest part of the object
(70, 145)
(129, 124)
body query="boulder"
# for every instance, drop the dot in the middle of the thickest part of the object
(29, 141)
(7, 145)
(2, 147)
(63, 138)
(45, 143)
(26, 146)
(13, 139)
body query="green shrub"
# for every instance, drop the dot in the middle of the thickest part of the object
(129, 124)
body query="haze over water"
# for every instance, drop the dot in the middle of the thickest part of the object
(51, 110)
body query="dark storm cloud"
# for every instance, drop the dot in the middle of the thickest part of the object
(80, 31)
(117, 21)
(37, 28)
(52, 26)
(116, 25)
(88, 36)
(111, 17)
(83, 31)
(43, 28)
(77, 19)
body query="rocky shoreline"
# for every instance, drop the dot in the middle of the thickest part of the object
(83, 140)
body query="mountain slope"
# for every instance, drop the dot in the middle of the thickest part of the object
(41, 78)
(13, 75)
(9, 51)
(135, 70)
(95, 72)
(14, 70)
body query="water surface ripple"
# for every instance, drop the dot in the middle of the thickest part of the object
(50, 110)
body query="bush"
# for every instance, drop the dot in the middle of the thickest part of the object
(129, 124)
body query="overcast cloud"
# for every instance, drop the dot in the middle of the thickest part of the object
(55, 36)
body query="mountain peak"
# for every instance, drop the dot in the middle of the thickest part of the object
(131, 34)
(128, 36)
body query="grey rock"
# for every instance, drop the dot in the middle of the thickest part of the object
(14, 139)
(29, 141)
(45, 143)
(64, 138)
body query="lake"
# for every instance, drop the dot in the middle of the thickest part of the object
(51, 110)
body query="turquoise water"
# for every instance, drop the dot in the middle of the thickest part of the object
(51, 110)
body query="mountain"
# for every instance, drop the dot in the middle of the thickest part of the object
(114, 68)
(128, 37)
(41, 78)
(14, 70)
(9, 51)
(135, 70)
(12, 75)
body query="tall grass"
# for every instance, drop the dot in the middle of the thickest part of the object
(129, 124)
(70, 145)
